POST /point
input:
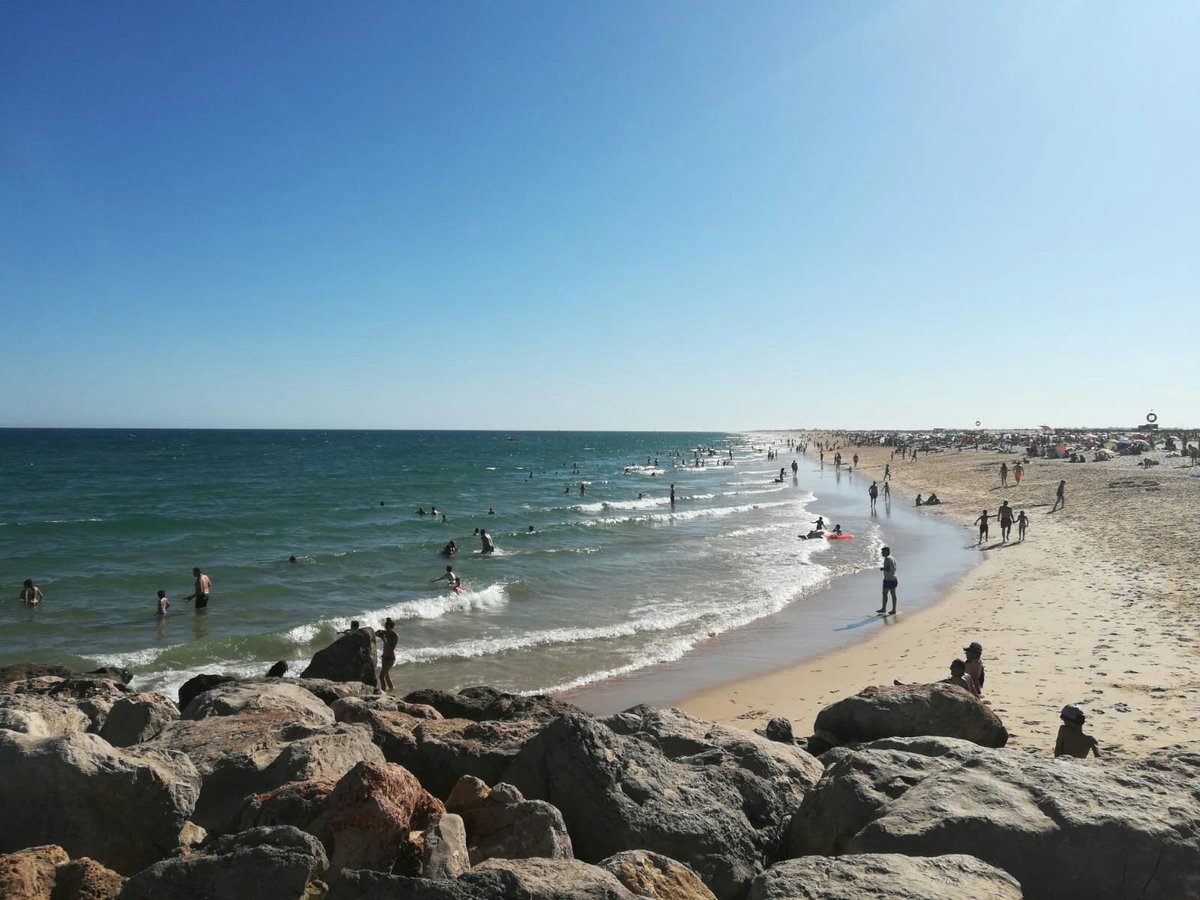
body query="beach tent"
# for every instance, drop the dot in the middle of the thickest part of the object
(1103, 454)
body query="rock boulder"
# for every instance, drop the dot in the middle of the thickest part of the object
(239, 697)
(199, 684)
(136, 718)
(501, 823)
(486, 704)
(872, 876)
(656, 876)
(938, 710)
(124, 808)
(351, 657)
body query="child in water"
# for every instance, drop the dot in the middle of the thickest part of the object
(163, 604)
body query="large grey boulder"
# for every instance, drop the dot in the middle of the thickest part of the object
(444, 853)
(280, 863)
(558, 879)
(858, 785)
(501, 823)
(720, 804)
(938, 710)
(241, 697)
(1126, 829)
(92, 695)
(123, 808)
(198, 684)
(352, 657)
(257, 750)
(656, 876)
(874, 876)
(40, 716)
(136, 718)
(363, 884)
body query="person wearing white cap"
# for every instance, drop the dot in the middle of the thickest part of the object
(1071, 739)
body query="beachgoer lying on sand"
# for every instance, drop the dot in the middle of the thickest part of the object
(1071, 739)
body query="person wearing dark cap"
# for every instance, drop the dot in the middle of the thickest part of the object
(974, 653)
(1071, 739)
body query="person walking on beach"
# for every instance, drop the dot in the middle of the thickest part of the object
(388, 659)
(163, 604)
(1071, 739)
(1022, 524)
(795, 468)
(1018, 471)
(1005, 514)
(1060, 497)
(982, 522)
(1003, 474)
(856, 460)
(890, 582)
(203, 589)
(887, 492)
(887, 471)
(31, 594)
(873, 493)
(974, 652)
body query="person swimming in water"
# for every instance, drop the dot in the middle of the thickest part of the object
(31, 594)
(163, 604)
(450, 578)
(450, 549)
(486, 540)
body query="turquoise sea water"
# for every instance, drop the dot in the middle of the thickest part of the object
(607, 583)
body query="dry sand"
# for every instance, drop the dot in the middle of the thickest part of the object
(1097, 607)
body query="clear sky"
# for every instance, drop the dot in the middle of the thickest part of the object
(660, 215)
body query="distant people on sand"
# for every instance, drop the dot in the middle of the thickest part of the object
(485, 541)
(388, 658)
(1071, 739)
(1022, 524)
(1017, 472)
(203, 589)
(163, 604)
(1003, 474)
(890, 582)
(974, 653)
(30, 594)
(931, 500)
(887, 492)
(1060, 497)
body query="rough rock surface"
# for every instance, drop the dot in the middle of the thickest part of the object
(363, 884)
(871, 876)
(256, 751)
(239, 697)
(352, 657)
(778, 729)
(367, 821)
(330, 692)
(486, 704)
(40, 716)
(85, 879)
(558, 879)
(93, 695)
(715, 799)
(445, 852)
(937, 710)
(653, 875)
(29, 874)
(124, 808)
(25, 671)
(1128, 829)
(136, 718)
(295, 803)
(859, 784)
(501, 823)
(440, 751)
(280, 863)
(199, 684)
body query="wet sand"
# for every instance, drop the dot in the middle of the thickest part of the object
(1095, 608)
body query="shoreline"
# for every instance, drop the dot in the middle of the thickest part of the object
(1066, 617)
(838, 615)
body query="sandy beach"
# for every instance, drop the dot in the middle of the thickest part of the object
(1094, 608)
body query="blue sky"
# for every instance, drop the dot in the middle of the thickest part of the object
(612, 215)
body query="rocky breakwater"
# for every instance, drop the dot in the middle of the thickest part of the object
(310, 788)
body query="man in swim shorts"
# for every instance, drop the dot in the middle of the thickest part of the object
(982, 522)
(890, 582)
(203, 589)
(1005, 515)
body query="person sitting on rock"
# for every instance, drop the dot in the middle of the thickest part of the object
(974, 654)
(1071, 739)
(960, 678)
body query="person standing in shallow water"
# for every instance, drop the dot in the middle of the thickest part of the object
(890, 581)
(203, 589)
(388, 658)
(31, 594)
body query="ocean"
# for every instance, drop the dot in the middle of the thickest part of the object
(606, 584)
